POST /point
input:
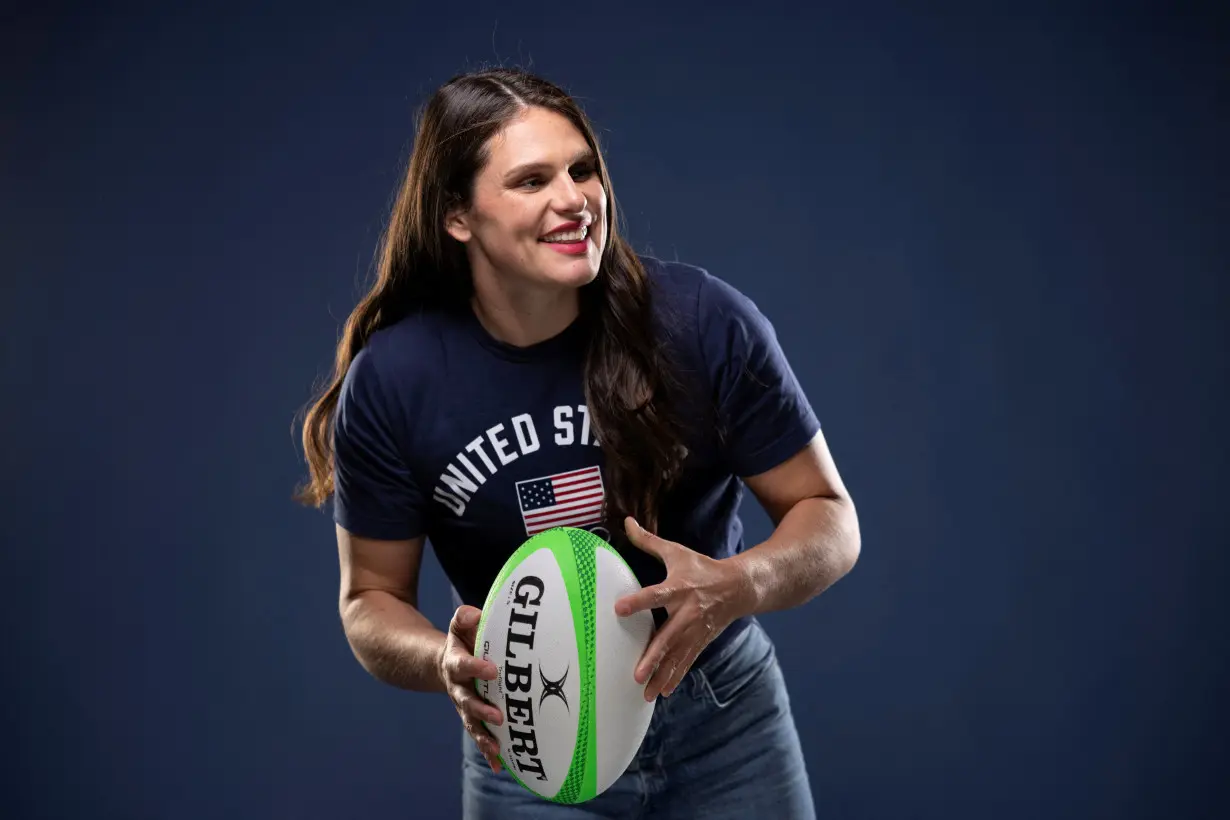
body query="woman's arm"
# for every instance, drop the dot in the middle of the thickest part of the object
(816, 541)
(378, 603)
(816, 537)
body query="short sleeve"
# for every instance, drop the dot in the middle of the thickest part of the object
(375, 494)
(764, 415)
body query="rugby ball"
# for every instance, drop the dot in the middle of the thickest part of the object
(574, 716)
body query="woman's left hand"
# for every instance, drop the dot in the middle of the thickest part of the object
(702, 597)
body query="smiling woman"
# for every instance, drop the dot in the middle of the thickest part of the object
(517, 367)
(535, 226)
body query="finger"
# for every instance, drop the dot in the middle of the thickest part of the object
(681, 671)
(662, 675)
(676, 663)
(491, 751)
(463, 667)
(465, 624)
(651, 597)
(485, 741)
(657, 651)
(647, 541)
(487, 744)
(479, 709)
(481, 734)
(470, 704)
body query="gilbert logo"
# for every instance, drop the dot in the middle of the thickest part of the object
(519, 677)
(553, 688)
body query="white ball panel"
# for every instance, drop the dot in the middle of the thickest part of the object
(622, 712)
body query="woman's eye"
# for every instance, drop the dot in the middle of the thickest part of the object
(579, 173)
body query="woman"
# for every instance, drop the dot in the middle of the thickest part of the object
(512, 335)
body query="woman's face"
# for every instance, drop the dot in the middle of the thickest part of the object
(540, 177)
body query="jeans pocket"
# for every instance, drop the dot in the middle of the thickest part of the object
(722, 683)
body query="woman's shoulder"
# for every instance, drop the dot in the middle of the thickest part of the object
(675, 284)
(414, 343)
(398, 363)
(690, 299)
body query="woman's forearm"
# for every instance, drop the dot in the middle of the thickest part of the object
(813, 546)
(393, 641)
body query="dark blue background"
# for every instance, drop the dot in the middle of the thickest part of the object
(994, 244)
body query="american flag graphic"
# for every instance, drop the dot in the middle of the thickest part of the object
(565, 500)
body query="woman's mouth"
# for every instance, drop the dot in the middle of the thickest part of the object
(573, 242)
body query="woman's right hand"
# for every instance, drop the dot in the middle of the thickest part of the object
(458, 668)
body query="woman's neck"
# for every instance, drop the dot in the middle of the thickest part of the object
(523, 316)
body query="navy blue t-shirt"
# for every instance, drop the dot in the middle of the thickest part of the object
(443, 430)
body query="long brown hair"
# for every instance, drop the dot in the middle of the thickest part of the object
(629, 383)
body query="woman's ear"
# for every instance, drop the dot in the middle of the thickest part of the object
(457, 225)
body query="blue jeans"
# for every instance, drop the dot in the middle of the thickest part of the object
(722, 746)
